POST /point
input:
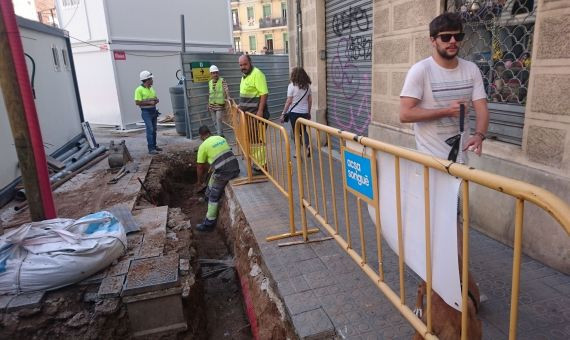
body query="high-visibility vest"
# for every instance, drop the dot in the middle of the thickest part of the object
(217, 92)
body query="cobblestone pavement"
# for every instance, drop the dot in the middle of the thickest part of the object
(325, 290)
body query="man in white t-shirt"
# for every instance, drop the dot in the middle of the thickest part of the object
(435, 88)
(433, 92)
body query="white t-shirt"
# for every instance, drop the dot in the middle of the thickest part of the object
(295, 92)
(437, 88)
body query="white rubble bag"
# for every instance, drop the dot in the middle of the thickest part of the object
(55, 253)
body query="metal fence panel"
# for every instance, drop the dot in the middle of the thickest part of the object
(275, 67)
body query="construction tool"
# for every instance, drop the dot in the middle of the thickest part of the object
(126, 169)
(119, 155)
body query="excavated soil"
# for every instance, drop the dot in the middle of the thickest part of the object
(265, 305)
(171, 181)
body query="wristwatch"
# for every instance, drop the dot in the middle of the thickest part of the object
(480, 134)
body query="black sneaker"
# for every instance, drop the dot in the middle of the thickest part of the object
(204, 227)
(158, 149)
(153, 152)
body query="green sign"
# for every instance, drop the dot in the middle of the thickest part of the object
(200, 71)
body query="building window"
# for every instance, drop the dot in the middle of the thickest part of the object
(498, 40)
(235, 18)
(267, 11)
(252, 43)
(65, 59)
(69, 3)
(55, 55)
(250, 18)
(286, 42)
(269, 42)
(237, 44)
(284, 10)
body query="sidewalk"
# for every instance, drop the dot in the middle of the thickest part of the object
(325, 291)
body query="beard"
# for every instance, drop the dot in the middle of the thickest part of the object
(446, 54)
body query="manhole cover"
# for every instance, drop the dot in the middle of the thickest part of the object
(150, 274)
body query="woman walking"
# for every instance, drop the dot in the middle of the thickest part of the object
(299, 101)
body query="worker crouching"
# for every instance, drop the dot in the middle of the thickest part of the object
(215, 157)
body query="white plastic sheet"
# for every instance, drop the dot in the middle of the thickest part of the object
(443, 212)
(55, 253)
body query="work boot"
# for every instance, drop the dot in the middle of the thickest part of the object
(153, 152)
(206, 226)
(158, 149)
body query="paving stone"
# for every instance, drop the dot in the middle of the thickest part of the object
(313, 324)
(153, 225)
(301, 302)
(150, 274)
(320, 279)
(311, 265)
(108, 306)
(134, 242)
(300, 284)
(111, 286)
(285, 287)
(120, 268)
(124, 215)
(26, 300)
(95, 279)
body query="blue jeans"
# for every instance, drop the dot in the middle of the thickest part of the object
(149, 116)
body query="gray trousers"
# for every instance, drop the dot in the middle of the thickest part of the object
(217, 119)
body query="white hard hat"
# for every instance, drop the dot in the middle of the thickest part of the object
(214, 68)
(145, 75)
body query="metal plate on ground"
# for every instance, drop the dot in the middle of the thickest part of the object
(150, 274)
(124, 215)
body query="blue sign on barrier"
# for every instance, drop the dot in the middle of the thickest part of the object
(358, 174)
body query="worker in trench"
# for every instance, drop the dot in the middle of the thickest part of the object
(215, 157)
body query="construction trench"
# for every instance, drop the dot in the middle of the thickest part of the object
(200, 286)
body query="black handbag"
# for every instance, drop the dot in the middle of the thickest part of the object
(286, 116)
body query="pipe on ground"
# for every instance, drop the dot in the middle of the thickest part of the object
(69, 169)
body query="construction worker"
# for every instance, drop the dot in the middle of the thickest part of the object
(219, 92)
(215, 155)
(146, 99)
(253, 94)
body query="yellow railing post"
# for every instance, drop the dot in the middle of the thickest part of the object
(465, 262)
(427, 217)
(517, 249)
(296, 132)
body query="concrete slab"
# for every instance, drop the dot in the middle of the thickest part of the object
(111, 286)
(124, 215)
(153, 225)
(120, 268)
(314, 324)
(95, 279)
(16, 302)
(145, 320)
(152, 274)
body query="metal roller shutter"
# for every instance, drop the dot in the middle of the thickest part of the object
(349, 64)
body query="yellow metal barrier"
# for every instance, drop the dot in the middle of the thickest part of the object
(265, 145)
(307, 182)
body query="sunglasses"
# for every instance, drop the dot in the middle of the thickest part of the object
(446, 37)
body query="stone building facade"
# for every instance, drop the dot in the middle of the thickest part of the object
(532, 83)
(258, 24)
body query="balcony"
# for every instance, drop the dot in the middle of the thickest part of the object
(272, 22)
